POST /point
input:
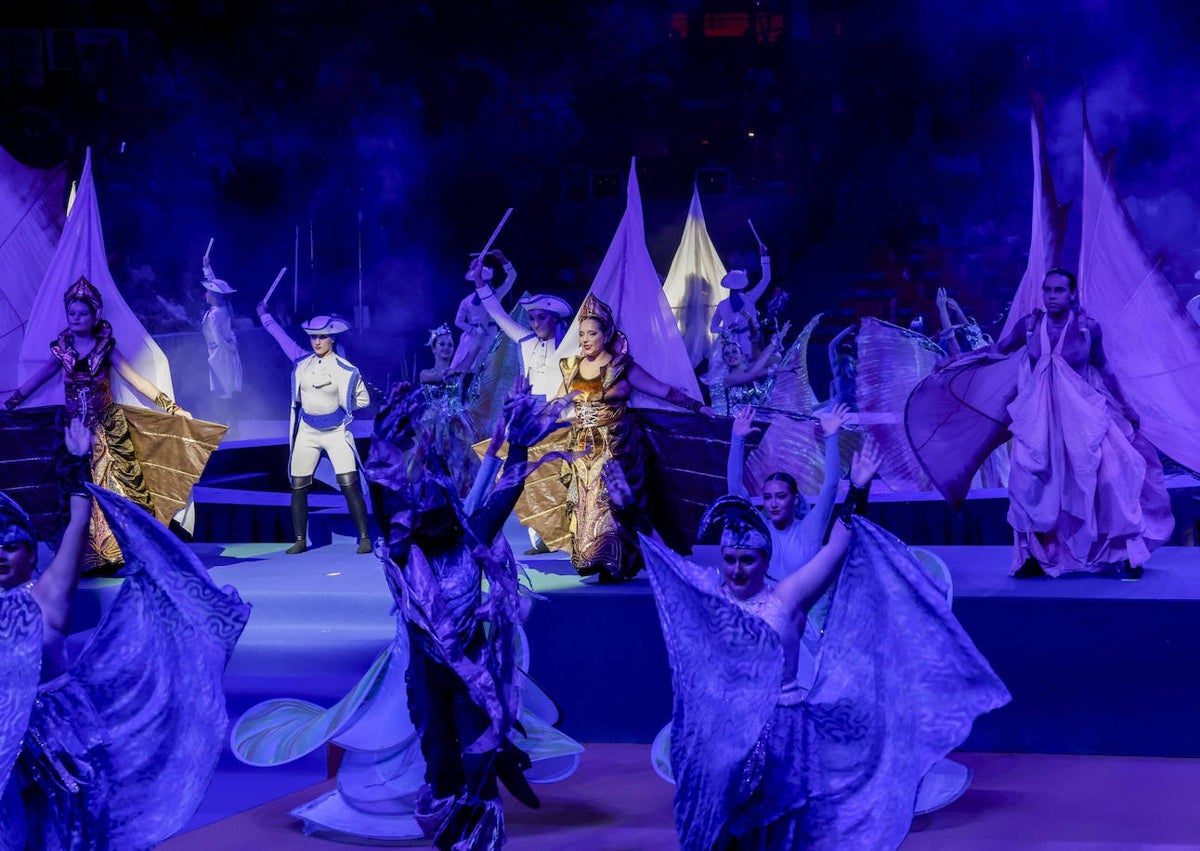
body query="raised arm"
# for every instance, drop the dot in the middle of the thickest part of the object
(142, 385)
(510, 274)
(753, 294)
(56, 585)
(39, 378)
(743, 427)
(801, 589)
(291, 349)
(814, 523)
(948, 336)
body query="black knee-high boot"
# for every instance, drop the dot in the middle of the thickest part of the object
(348, 482)
(300, 486)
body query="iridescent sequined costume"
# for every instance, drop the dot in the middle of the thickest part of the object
(450, 427)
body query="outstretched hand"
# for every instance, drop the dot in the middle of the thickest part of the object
(78, 438)
(529, 419)
(619, 492)
(865, 463)
(832, 420)
(743, 423)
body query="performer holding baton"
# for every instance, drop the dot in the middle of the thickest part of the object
(326, 391)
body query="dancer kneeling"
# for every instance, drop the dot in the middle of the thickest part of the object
(461, 694)
(759, 763)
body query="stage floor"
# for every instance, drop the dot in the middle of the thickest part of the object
(1017, 802)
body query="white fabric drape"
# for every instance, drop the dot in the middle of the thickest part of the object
(81, 251)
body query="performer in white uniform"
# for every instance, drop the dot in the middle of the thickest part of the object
(548, 316)
(547, 324)
(326, 391)
(736, 313)
(477, 326)
(224, 362)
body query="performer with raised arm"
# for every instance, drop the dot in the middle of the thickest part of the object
(760, 761)
(85, 353)
(114, 748)
(326, 391)
(737, 313)
(224, 362)
(477, 325)
(797, 527)
(733, 381)
(1085, 488)
(548, 316)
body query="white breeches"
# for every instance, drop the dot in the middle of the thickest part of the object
(337, 443)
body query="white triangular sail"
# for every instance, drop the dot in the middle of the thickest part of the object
(81, 251)
(1151, 343)
(628, 284)
(693, 285)
(1049, 225)
(31, 219)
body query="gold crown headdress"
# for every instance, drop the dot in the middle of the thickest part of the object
(594, 308)
(82, 290)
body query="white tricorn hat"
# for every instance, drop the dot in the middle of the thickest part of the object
(331, 324)
(216, 285)
(486, 275)
(549, 303)
(736, 279)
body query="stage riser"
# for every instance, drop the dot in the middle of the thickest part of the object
(1088, 676)
(982, 522)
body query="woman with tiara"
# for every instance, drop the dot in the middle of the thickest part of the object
(86, 354)
(445, 416)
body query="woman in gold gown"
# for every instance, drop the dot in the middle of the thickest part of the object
(603, 376)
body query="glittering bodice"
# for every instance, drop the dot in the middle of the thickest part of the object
(86, 384)
(766, 605)
(601, 401)
(444, 398)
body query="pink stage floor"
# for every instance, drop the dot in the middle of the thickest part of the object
(1018, 802)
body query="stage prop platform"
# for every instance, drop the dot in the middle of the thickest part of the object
(1017, 802)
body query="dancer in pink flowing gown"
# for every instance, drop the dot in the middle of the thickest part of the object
(1086, 489)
